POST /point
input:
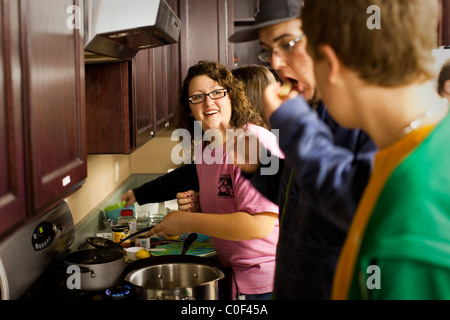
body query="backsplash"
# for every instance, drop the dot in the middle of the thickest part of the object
(106, 173)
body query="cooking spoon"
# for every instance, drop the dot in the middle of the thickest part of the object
(102, 243)
(187, 243)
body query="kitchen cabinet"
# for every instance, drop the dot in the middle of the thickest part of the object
(43, 139)
(12, 183)
(130, 102)
(244, 16)
(206, 27)
(107, 108)
(54, 102)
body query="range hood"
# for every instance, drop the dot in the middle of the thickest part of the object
(118, 29)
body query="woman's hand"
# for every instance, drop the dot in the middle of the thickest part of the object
(237, 226)
(129, 198)
(174, 224)
(188, 201)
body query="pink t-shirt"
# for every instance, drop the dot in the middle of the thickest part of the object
(223, 190)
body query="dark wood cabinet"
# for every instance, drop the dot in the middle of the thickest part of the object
(108, 108)
(244, 16)
(206, 27)
(54, 102)
(144, 112)
(160, 85)
(128, 103)
(12, 184)
(42, 126)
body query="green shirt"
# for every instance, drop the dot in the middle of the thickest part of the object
(408, 234)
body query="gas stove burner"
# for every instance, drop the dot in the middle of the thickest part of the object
(118, 292)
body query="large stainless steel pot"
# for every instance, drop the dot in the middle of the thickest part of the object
(100, 268)
(176, 281)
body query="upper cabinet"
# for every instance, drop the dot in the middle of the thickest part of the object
(12, 183)
(42, 122)
(244, 16)
(205, 29)
(128, 103)
(54, 101)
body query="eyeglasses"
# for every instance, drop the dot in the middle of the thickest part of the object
(214, 95)
(265, 56)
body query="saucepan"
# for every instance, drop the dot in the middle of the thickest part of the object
(176, 281)
(175, 277)
(100, 269)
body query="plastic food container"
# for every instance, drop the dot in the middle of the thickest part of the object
(143, 242)
(113, 212)
(131, 252)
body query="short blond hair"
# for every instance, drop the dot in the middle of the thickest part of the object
(399, 53)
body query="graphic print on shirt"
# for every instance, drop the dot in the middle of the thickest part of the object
(225, 187)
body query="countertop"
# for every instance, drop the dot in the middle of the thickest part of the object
(88, 226)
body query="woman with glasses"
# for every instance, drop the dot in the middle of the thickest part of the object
(242, 224)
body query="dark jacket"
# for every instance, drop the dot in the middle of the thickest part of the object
(328, 167)
(167, 186)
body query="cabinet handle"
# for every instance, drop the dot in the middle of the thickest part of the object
(66, 181)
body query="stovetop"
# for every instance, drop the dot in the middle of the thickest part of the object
(52, 284)
(32, 250)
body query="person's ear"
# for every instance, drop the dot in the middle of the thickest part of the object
(332, 62)
(447, 87)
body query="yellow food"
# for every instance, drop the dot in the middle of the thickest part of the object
(172, 238)
(285, 90)
(142, 254)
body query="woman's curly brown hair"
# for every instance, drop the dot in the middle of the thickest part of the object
(241, 110)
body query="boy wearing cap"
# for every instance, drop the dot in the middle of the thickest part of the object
(326, 167)
(380, 80)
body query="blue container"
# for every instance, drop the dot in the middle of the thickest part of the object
(113, 212)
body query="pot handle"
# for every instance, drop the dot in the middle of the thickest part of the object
(86, 270)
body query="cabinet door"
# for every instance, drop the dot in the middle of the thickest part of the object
(143, 103)
(173, 72)
(159, 72)
(12, 190)
(108, 108)
(173, 81)
(54, 107)
(206, 27)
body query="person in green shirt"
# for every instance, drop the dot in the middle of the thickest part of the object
(374, 68)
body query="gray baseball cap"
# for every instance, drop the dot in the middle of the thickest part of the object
(269, 13)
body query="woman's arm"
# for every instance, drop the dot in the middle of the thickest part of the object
(165, 187)
(237, 226)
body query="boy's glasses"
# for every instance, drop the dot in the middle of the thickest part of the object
(265, 56)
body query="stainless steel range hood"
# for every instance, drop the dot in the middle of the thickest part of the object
(118, 29)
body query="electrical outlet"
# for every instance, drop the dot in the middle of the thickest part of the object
(117, 172)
